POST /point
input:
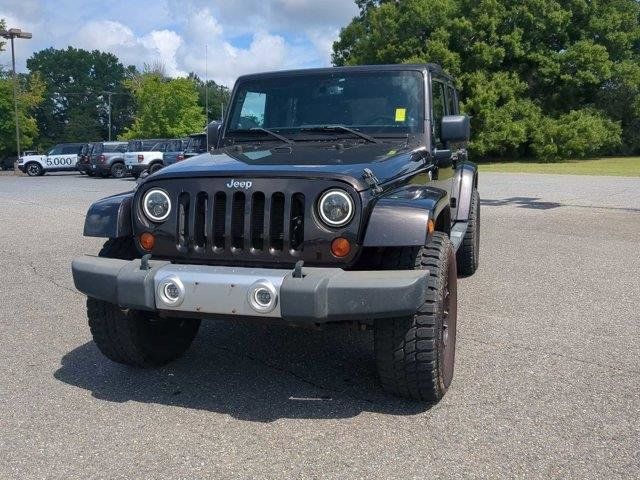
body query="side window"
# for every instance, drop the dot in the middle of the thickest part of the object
(69, 149)
(253, 110)
(452, 101)
(439, 108)
(57, 150)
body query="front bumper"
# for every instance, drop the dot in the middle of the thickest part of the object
(22, 167)
(320, 295)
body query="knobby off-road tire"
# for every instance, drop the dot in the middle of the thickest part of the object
(468, 255)
(415, 355)
(136, 338)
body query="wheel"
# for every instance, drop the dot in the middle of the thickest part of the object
(131, 337)
(155, 167)
(135, 174)
(118, 170)
(468, 255)
(415, 355)
(91, 174)
(138, 339)
(34, 169)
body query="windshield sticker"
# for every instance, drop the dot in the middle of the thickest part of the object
(401, 114)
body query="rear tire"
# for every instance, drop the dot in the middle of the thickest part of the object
(468, 255)
(118, 170)
(34, 169)
(131, 337)
(415, 355)
(155, 167)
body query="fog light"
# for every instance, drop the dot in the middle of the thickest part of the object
(262, 296)
(171, 291)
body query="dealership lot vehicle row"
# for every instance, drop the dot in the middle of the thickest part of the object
(547, 378)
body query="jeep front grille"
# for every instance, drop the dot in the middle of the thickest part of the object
(236, 222)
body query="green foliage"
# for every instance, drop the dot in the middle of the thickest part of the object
(30, 95)
(218, 96)
(76, 106)
(3, 25)
(548, 78)
(164, 108)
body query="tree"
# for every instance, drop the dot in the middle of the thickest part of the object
(3, 25)
(165, 108)
(76, 104)
(30, 95)
(548, 78)
(218, 96)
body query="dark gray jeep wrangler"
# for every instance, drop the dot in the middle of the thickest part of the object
(339, 195)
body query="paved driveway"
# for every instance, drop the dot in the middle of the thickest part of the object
(547, 376)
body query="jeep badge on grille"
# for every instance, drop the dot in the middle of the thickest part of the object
(233, 183)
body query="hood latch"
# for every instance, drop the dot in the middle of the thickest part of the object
(371, 180)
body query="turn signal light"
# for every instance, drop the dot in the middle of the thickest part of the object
(340, 247)
(431, 227)
(147, 241)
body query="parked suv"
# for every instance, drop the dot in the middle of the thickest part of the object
(356, 207)
(107, 159)
(61, 158)
(144, 155)
(84, 159)
(174, 151)
(196, 145)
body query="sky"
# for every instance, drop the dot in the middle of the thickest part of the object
(242, 36)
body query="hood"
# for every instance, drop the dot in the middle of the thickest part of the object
(26, 158)
(347, 163)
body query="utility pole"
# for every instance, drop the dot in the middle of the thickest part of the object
(109, 95)
(11, 34)
(206, 92)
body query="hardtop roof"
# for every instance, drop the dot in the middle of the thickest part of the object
(420, 67)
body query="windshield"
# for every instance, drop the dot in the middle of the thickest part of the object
(390, 102)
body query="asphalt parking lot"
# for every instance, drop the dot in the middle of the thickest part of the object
(547, 379)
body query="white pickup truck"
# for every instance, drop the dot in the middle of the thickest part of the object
(61, 158)
(144, 155)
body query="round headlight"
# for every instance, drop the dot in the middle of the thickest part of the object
(156, 205)
(335, 208)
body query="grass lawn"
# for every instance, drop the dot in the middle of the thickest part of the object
(614, 166)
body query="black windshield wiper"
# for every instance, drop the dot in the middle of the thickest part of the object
(270, 132)
(342, 128)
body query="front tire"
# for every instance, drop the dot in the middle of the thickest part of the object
(34, 169)
(136, 338)
(468, 255)
(415, 355)
(155, 167)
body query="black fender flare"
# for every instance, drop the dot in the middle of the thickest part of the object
(401, 218)
(110, 217)
(464, 182)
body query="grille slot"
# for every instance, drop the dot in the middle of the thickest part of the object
(237, 220)
(219, 220)
(200, 215)
(183, 224)
(296, 228)
(276, 222)
(257, 221)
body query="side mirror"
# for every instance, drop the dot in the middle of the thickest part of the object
(213, 130)
(456, 129)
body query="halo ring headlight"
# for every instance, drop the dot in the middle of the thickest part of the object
(336, 208)
(156, 205)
